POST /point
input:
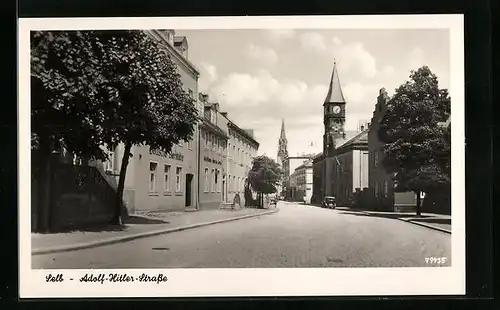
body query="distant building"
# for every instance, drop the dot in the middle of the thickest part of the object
(289, 165)
(226, 158)
(304, 182)
(242, 148)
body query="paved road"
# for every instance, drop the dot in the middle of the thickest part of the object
(297, 236)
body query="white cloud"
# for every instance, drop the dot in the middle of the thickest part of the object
(416, 58)
(336, 41)
(243, 89)
(388, 70)
(360, 98)
(354, 57)
(280, 34)
(264, 54)
(313, 41)
(208, 76)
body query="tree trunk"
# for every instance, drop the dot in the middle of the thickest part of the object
(117, 219)
(44, 186)
(419, 203)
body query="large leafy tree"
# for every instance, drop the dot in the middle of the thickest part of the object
(265, 176)
(417, 139)
(115, 87)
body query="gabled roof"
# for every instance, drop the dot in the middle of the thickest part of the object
(335, 90)
(360, 138)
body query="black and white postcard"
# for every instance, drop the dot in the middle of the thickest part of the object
(242, 156)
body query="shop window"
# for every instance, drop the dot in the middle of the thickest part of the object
(212, 184)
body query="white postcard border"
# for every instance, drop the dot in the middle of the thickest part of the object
(262, 281)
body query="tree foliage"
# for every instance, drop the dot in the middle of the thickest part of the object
(101, 88)
(417, 141)
(107, 87)
(265, 175)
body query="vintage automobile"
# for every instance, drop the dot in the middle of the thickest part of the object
(329, 202)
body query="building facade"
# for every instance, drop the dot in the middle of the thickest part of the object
(304, 182)
(242, 148)
(213, 156)
(289, 165)
(156, 180)
(381, 183)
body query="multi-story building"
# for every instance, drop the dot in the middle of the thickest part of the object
(304, 182)
(225, 159)
(383, 196)
(289, 165)
(242, 148)
(341, 170)
(156, 180)
(213, 156)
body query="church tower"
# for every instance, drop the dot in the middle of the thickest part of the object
(333, 114)
(282, 144)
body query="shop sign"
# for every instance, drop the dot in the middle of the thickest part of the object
(211, 160)
(159, 152)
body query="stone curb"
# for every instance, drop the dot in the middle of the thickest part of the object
(427, 225)
(68, 248)
(419, 224)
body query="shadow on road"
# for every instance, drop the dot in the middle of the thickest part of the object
(143, 220)
(105, 227)
(412, 217)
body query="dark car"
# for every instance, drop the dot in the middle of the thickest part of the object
(329, 202)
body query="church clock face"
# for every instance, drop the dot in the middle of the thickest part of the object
(336, 109)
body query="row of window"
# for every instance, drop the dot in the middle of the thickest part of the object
(167, 186)
(213, 183)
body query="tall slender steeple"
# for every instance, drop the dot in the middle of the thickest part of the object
(282, 144)
(334, 114)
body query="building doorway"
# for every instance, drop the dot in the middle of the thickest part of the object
(189, 192)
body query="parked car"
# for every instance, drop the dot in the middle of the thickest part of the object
(329, 202)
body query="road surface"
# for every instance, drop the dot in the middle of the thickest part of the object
(296, 236)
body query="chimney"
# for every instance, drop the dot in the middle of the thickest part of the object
(224, 114)
(362, 127)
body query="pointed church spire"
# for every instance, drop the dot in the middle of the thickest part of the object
(283, 135)
(335, 90)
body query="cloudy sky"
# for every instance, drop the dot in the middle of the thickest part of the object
(262, 76)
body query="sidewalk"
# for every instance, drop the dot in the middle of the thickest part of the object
(140, 225)
(434, 221)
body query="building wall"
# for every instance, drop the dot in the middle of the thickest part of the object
(380, 183)
(240, 154)
(289, 166)
(360, 169)
(304, 181)
(212, 163)
(139, 192)
(318, 170)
